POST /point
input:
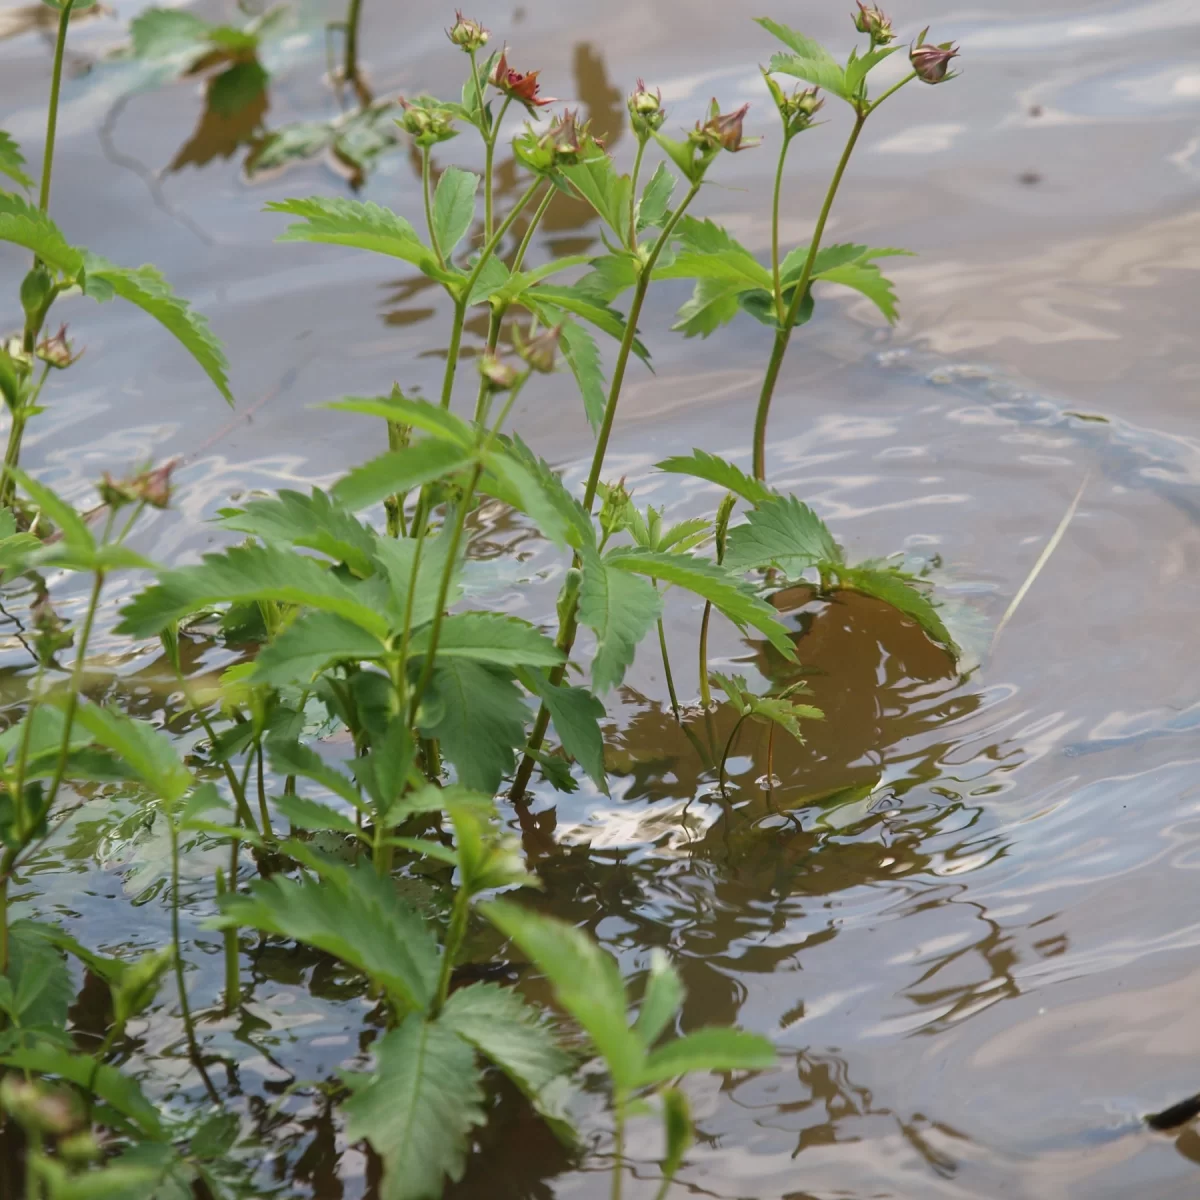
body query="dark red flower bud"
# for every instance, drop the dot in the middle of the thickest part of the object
(724, 130)
(873, 22)
(57, 351)
(521, 88)
(466, 34)
(931, 63)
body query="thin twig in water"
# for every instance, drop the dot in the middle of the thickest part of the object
(1043, 559)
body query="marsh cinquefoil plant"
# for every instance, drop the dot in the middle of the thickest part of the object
(341, 624)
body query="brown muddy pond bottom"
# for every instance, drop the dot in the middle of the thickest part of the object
(964, 910)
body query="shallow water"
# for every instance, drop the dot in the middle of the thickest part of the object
(963, 910)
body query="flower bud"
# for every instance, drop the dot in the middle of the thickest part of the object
(40, 1109)
(540, 352)
(57, 351)
(50, 631)
(564, 144)
(523, 88)
(428, 120)
(931, 63)
(723, 131)
(155, 486)
(466, 34)
(872, 21)
(615, 509)
(498, 375)
(646, 112)
(798, 109)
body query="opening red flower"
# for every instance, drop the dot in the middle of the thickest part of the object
(519, 87)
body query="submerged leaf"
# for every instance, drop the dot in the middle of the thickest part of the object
(903, 593)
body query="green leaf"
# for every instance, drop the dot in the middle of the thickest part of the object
(656, 199)
(149, 752)
(288, 144)
(42, 991)
(620, 609)
(24, 224)
(584, 305)
(494, 278)
(312, 815)
(513, 1035)
(857, 69)
(454, 207)
(159, 33)
(310, 644)
(678, 1128)
(524, 485)
(417, 1108)
(490, 638)
(782, 710)
(720, 585)
(585, 979)
(12, 161)
(120, 1092)
(354, 914)
(295, 758)
(713, 303)
(867, 279)
(809, 60)
(608, 192)
(705, 240)
(399, 471)
(420, 414)
(317, 522)
(576, 715)
(784, 533)
(335, 221)
(720, 471)
(711, 1049)
(901, 591)
(522, 281)
(237, 88)
(583, 357)
(478, 715)
(70, 524)
(115, 1182)
(245, 573)
(146, 288)
(661, 1001)
(609, 277)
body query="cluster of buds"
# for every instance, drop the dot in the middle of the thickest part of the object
(565, 144)
(50, 631)
(798, 109)
(57, 351)
(541, 351)
(874, 23)
(523, 88)
(466, 34)
(646, 112)
(932, 63)
(152, 487)
(428, 120)
(614, 512)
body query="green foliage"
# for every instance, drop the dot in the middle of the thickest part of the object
(809, 60)
(454, 207)
(620, 609)
(23, 224)
(12, 162)
(902, 591)
(781, 710)
(723, 473)
(607, 191)
(582, 355)
(783, 533)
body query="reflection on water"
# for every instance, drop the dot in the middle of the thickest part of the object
(960, 908)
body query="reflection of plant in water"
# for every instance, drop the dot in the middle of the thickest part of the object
(385, 859)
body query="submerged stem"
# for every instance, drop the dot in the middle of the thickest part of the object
(784, 333)
(722, 780)
(662, 645)
(705, 686)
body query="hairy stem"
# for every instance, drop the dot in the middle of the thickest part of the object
(783, 335)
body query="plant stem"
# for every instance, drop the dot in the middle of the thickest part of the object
(705, 686)
(454, 939)
(263, 811)
(60, 45)
(618, 1144)
(721, 778)
(890, 92)
(489, 153)
(780, 311)
(784, 333)
(662, 645)
(633, 196)
(566, 633)
(350, 64)
(426, 190)
(232, 980)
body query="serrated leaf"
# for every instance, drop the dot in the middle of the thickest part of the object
(585, 979)
(148, 751)
(245, 573)
(311, 643)
(720, 471)
(490, 637)
(662, 999)
(454, 207)
(417, 1108)
(387, 940)
(537, 489)
(478, 716)
(336, 221)
(858, 68)
(576, 715)
(420, 414)
(41, 988)
(70, 524)
(316, 522)
(609, 277)
(146, 288)
(839, 254)
(314, 816)
(782, 532)
(494, 278)
(656, 199)
(901, 591)
(720, 585)
(12, 161)
(582, 355)
(514, 1036)
(584, 305)
(120, 1092)
(867, 279)
(24, 224)
(399, 471)
(295, 758)
(713, 303)
(620, 609)
(607, 191)
(522, 281)
(809, 60)
(711, 1049)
